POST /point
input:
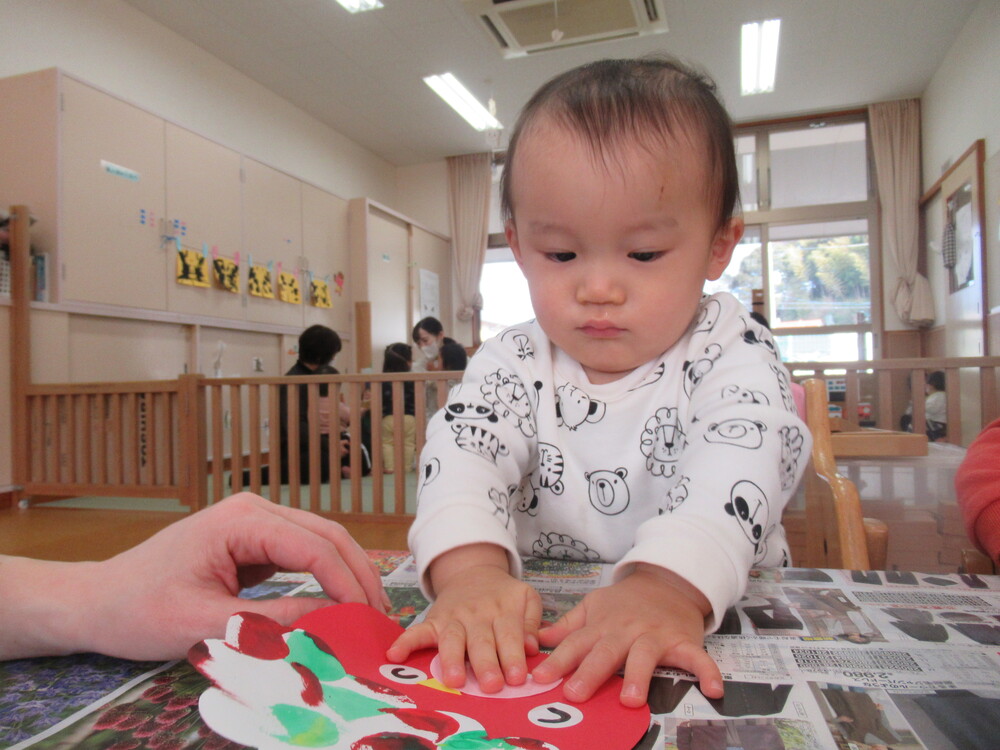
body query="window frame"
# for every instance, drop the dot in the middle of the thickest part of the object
(765, 217)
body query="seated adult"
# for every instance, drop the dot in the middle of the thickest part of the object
(398, 358)
(439, 352)
(318, 345)
(935, 408)
(977, 489)
(180, 586)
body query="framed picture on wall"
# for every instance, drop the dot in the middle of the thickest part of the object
(960, 222)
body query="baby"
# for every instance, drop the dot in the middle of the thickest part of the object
(635, 421)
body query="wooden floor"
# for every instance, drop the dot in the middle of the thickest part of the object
(90, 534)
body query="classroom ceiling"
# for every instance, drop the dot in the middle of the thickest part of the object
(362, 74)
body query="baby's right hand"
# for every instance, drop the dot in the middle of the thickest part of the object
(482, 611)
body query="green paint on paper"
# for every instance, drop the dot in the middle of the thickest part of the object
(352, 705)
(476, 740)
(303, 650)
(305, 728)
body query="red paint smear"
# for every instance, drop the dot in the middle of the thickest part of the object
(261, 637)
(312, 689)
(425, 720)
(528, 743)
(381, 689)
(198, 654)
(392, 742)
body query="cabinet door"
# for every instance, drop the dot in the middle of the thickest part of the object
(204, 195)
(272, 233)
(112, 200)
(325, 247)
(388, 281)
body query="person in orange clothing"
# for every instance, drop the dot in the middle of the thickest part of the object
(977, 489)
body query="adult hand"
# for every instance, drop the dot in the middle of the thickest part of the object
(607, 630)
(180, 586)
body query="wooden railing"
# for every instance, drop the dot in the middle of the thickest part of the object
(886, 386)
(200, 439)
(193, 438)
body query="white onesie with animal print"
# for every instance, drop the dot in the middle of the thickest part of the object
(685, 463)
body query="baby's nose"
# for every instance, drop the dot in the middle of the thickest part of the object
(600, 288)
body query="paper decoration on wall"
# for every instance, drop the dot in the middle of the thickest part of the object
(338, 279)
(226, 271)
(325, 683)
(259, 280)
(430, 294)
(192, 267)
(319, 292)
(288, 287)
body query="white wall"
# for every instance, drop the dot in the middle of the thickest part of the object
(117, 48)
(962, 104)
(422, 195)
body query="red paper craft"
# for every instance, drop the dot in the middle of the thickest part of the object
(325, 683)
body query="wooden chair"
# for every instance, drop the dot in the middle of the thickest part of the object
(837, 535)
(974, 561)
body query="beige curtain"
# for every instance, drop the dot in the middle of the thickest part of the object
(469, 183)
(896, 145)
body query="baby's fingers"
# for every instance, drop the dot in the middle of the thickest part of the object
(642, 660)
(418, 637)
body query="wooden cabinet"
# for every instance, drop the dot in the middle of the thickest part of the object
(325, 243)
(112, 181)
(204, 197)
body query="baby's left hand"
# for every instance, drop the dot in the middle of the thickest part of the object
(651, 618)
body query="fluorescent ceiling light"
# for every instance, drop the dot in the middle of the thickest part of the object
(356, 6)
(760, 56)
(459, 99)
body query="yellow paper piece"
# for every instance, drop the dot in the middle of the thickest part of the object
(192, 268)
(260, 281)
(319, 293)
(226, 273)
(288, 288)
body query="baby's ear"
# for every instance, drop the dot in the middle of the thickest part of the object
(725, 240)
(510, 231)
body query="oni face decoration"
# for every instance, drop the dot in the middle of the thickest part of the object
(325, 682)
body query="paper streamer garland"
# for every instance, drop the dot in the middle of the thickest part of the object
(325, 683)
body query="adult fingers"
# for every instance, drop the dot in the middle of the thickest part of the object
(270, 539)
(348, 551)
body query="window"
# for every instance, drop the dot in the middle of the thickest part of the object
(810, 237)
(505, 293)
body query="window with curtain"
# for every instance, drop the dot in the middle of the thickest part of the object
(810, 211)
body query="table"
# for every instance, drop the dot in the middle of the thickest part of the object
(812, 659)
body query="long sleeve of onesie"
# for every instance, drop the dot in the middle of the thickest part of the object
(686, 463)
(977, 488)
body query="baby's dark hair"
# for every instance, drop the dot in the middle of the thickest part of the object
(936, 380)
(397, 358)
(650, 101)
(318, 345)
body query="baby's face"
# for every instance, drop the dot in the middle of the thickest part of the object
(615, 254)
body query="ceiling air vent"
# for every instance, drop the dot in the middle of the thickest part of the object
(523, 27)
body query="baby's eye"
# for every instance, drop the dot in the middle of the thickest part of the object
(562, 257)
(644, 256)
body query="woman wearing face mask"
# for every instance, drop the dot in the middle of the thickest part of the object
(438, 351)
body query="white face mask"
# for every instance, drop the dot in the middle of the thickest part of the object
(431, 350)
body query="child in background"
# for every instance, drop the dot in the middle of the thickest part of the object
(633, 422)
(398, 358)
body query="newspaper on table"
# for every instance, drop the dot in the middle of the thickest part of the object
(817, 659)
(811, 659)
